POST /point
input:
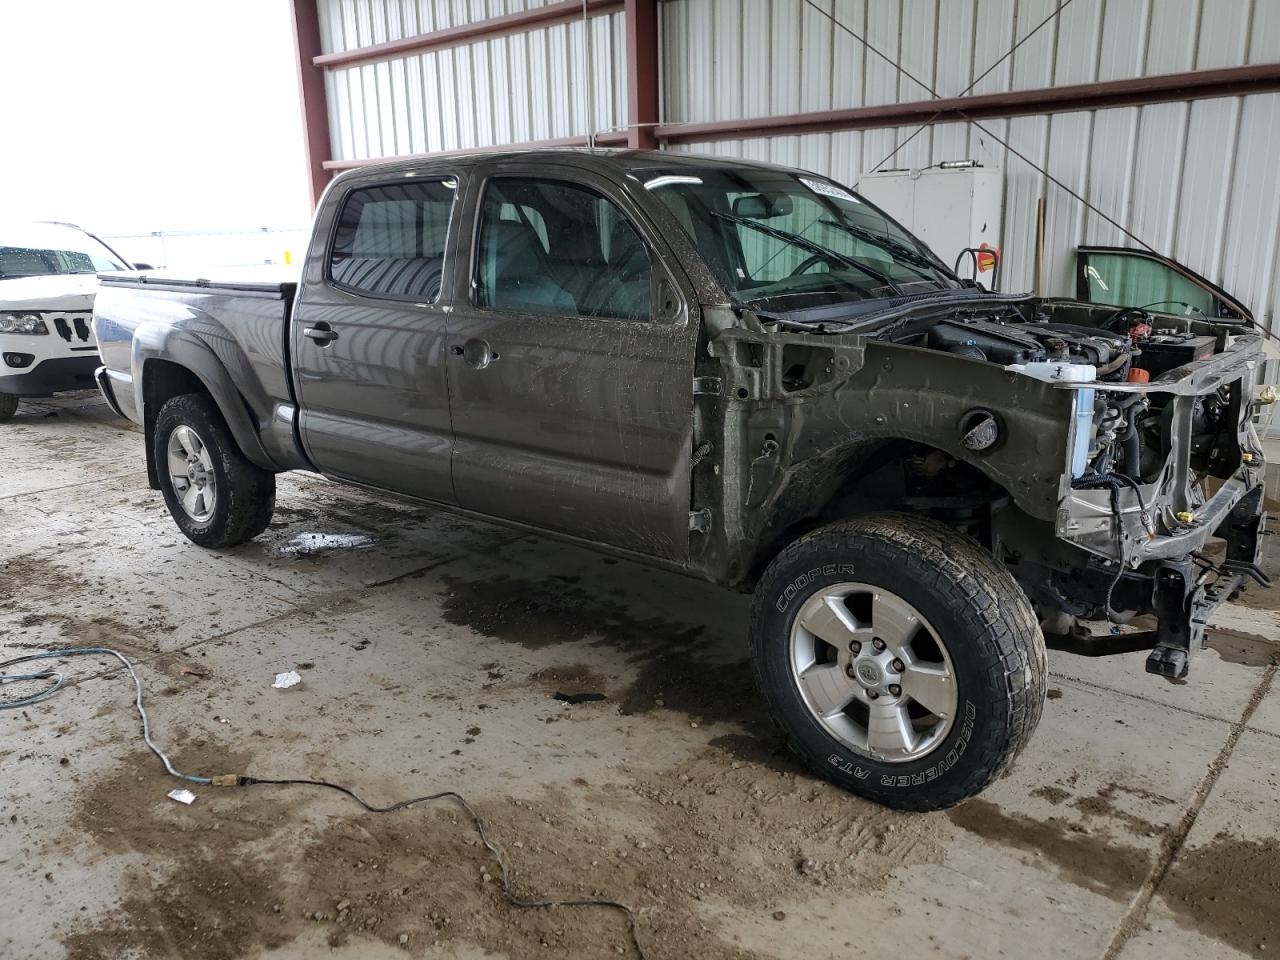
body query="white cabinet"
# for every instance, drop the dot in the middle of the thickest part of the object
(949, 209)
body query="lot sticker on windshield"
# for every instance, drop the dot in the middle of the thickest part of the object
(828, 189)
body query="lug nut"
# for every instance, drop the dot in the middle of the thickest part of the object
(872, 695)
(850, 671)
(855, 647)
(878, 643)
(899, 666)
(895, 690)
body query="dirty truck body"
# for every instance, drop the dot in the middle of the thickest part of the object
(750, 375)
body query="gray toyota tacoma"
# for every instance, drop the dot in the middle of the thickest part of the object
(751, 375)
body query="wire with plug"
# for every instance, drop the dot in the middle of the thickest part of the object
(56, 682)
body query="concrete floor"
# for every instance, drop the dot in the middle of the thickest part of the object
(1141, 821)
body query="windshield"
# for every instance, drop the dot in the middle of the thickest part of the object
(39, 250)
(795, 240)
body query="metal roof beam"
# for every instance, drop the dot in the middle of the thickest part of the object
(1163, 88)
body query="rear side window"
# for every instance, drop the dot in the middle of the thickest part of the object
(549, 247)
(390, 240)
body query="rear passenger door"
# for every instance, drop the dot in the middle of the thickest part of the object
(571, 366)
(368, 337)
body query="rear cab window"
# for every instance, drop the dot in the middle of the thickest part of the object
(390, 240)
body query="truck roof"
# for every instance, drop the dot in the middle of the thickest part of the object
(613, 160)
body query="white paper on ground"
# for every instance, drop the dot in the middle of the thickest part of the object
(183, 796)
(286, 680)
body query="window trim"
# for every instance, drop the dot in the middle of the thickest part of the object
(448, 255)
(657, 270)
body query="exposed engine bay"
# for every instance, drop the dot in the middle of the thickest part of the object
(1121, 437)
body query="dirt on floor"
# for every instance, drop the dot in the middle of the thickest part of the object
(737, 825)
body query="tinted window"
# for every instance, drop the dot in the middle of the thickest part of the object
(554, 248)
(390, 240)
(1132, 280)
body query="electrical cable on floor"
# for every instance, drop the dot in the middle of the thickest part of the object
(56, 685)
(56, 682)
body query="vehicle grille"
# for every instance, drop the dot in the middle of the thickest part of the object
(72, 326)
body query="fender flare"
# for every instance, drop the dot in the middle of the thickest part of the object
(183, 349)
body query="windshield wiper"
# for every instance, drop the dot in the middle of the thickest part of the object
(899, 250)
(812, 246)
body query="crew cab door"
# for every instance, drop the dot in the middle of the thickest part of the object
(368, 336)
(571, 364)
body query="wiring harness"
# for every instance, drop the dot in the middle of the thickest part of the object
(54, 681)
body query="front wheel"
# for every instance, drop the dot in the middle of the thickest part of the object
(215, 495)
(8, 406)
(901, 660)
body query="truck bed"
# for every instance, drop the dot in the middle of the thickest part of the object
(228, 326)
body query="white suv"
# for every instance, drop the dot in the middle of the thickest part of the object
(48, 278)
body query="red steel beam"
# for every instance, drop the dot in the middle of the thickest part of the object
(315, 112)
(614, 138)
(520, 22)
(642, 73)
(1199, 85)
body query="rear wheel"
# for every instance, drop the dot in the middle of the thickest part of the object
(215, 495)
(901, 660)
(8, 406)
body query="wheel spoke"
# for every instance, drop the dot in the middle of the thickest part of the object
(889, 731)
(831, 621)
(894, 621)
(184, 436)
(827, 688)
(189, 498)
(932, 687)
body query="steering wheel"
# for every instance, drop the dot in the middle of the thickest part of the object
(809, 263)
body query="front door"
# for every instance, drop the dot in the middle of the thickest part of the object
(368, 339)
(570, 387)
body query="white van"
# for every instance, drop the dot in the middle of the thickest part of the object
(48, 279)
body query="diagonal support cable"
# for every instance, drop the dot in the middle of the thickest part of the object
(982, 76)
(998, 139)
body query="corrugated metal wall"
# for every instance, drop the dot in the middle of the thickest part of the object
(1198, 181)
(538, 85)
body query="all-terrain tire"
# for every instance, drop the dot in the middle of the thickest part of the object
(981, 615)
(245, 493)
(8, 406)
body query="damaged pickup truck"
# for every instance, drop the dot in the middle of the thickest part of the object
(751, 375)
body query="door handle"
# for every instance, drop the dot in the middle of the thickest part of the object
(475, 352)
(321, 333)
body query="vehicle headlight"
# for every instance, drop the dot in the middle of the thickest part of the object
(28, 323)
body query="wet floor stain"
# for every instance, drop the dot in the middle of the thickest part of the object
(314, 544)
(1091, 860)
(1228, 890)
(674, 672)
(1247, 649)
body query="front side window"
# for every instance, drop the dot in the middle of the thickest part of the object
(41, 250)
(390, 240)
(795, 240)
(1120, 278)
(555, 248)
